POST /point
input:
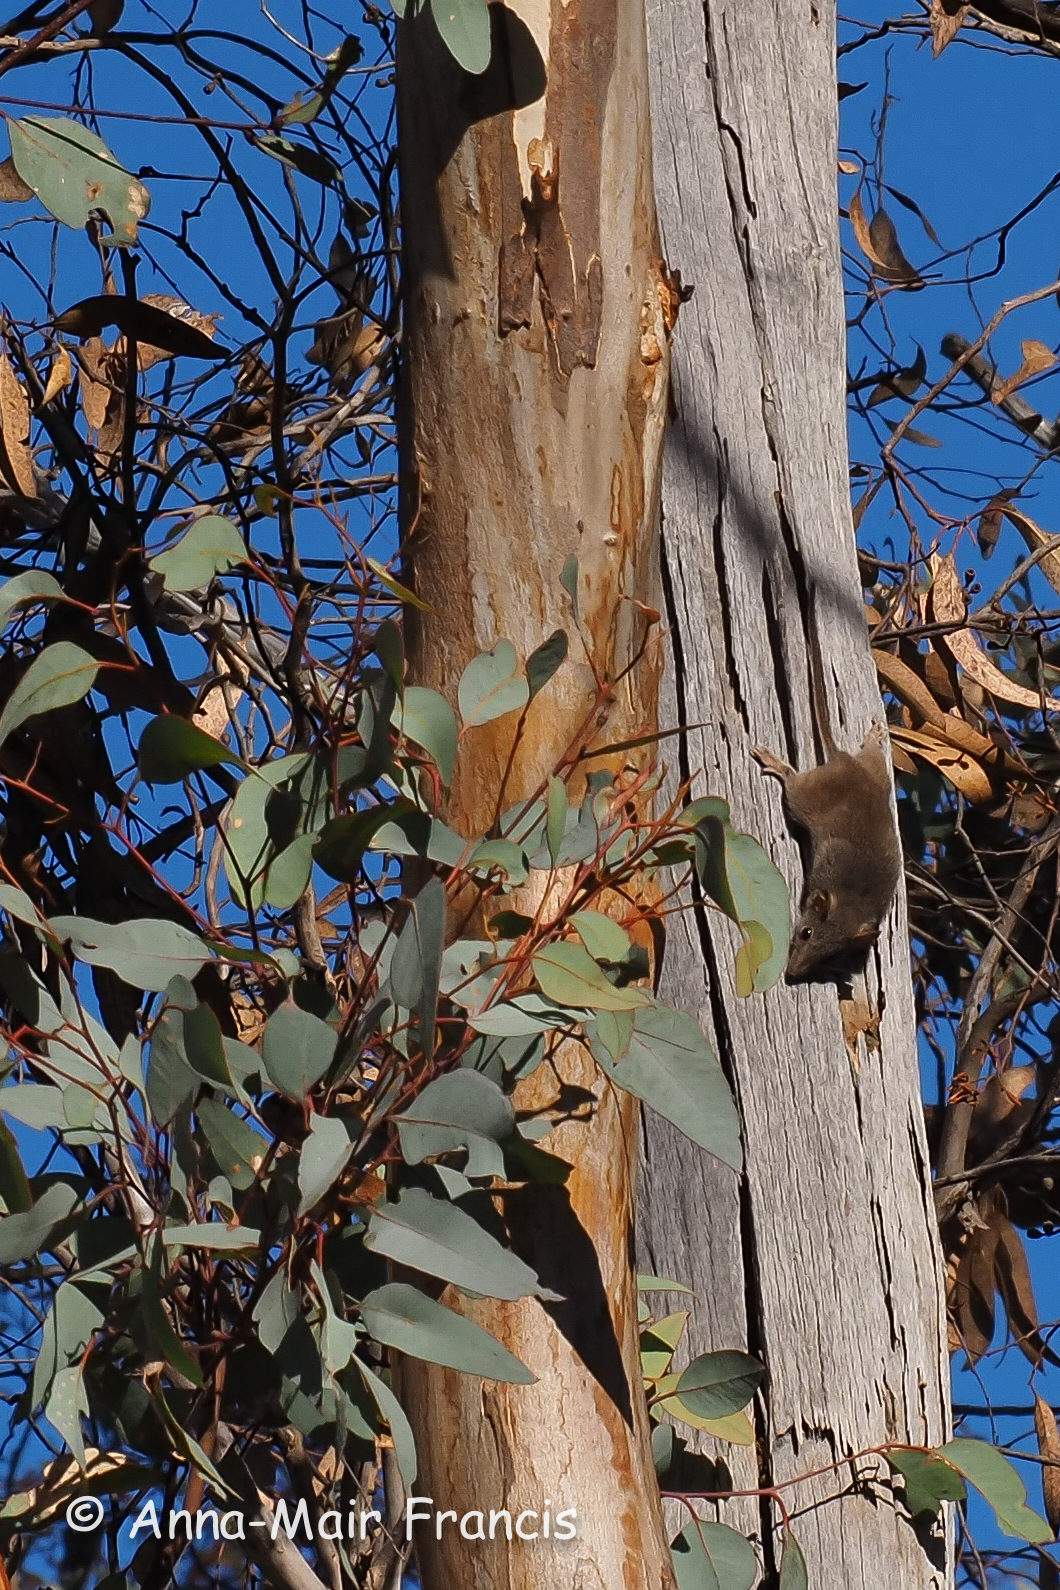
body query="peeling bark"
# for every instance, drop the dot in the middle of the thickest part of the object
(535, 382)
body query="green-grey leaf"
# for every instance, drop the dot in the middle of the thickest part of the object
(58, 676)
(427, 718)
(464, 26)
(499, 855)
(23, 1235)
(568, 974)
(403, 1317)
(711, 1556)
(442, 1240)
(492, 684)
(556, 820)
(929, 1480)
(416, 965)
(67, 1400)
(461, 1110)
(394, 1414)
(543, 662)
(34, 585)
(18, 904)
(670, 1065)
(793, 1574)
(144, 953)
(322, 1159)
(717, 1384)
(287, 877)
(204, 1047)
(997, 1480)
(170, 1080)
(73, 173)
(761, 896)
(171, 749)
(209, 546)
(602, 936)
(238, 1149)
(34, 1105)
(297, 1049)
(211, 1234)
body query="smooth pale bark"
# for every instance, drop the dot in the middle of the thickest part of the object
(534, 391)
(825, 1261)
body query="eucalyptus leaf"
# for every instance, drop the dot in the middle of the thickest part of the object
(33, 585)
(670, 1065)
(403, 1317)
(427, 718)
(543, 662)
(73, 173)
(464, 28)
(57, 677)
(710, 1556)
(438, 1238)
(208, 547)
(461, 1110)
(322, 1159)
(23, 1235)
(171, 749)
(492, 684)
(297, 1050)
(144, 953)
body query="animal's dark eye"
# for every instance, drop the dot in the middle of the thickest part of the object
(806, 933)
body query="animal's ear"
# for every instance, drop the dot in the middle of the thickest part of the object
(819, 902)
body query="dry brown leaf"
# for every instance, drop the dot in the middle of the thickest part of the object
(1036, 538)
(59, 376)
(148, 355)
(849, 168)
(170, 332)
(14, 422)
(949, 606)
(862, 233)
(944, 19)
(1036, 358)
(12, 188)
(883, 234)
(988, 530)
(1049, 1449)
(972, 1304)
(948, 602)
(1015, 1289)
(910, 688)
(95, 389)
(963, 772)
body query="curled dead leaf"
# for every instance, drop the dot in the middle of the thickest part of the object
(1037, 539)
(104, 15)
(962, 770)
(893, 267)
(12, 188)
(59, 376)
(1049, 1449)
(944, 20)
(949, 606)
(988, 531)
(16, 464)
(152, 327)
(1036, 358)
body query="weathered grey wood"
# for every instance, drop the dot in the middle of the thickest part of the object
(826, 1262)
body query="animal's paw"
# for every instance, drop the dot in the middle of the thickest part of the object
(770, 763)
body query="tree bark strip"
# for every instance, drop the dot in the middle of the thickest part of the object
(826, 1260)
(535, 381)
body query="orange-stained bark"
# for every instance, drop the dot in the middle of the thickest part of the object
(534, 402)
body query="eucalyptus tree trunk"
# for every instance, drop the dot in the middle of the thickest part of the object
(534, 392)
(825, 1261)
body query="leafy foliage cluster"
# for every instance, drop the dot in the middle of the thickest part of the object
(259, 1084)
(953, 466)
